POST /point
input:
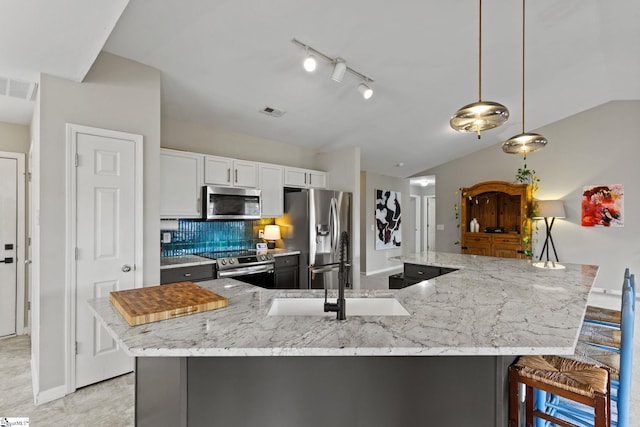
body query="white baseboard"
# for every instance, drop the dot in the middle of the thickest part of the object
(50, 395)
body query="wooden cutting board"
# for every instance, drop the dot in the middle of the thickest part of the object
(145, 305)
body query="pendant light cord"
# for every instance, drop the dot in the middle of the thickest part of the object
(523, 1)
(480, 54)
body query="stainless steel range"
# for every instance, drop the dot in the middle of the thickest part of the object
(249, 266)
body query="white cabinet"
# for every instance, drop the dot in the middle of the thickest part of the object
(304, 178)
(227, 172)
(272, 190)
(180, 184)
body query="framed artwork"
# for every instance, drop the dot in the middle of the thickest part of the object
(388, 219)
(603, 205)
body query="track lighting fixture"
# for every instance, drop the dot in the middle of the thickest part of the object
(365, 90)
(340, 68)
(310, 62)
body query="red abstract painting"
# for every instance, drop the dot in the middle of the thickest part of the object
(603, 205)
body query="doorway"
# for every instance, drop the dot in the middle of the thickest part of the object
(104, 244)
(12, 242)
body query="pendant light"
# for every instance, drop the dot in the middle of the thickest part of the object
(525, 142)
(481, 115)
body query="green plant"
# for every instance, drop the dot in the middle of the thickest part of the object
(528, 176)
(456, 211)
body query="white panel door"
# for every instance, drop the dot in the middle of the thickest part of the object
(8, 241)
(105, 230)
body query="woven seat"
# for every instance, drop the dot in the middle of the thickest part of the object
(572, 379)
(599, 356)
(600, 335)
(569, 374)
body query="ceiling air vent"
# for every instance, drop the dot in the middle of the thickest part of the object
(17, 88)
(271, 111)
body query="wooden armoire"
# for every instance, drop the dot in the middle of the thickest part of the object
(503, 211)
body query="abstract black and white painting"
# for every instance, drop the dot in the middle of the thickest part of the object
(388, 219)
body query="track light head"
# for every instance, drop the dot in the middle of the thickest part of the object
(339, 69)
(365, 90)
(310, 63)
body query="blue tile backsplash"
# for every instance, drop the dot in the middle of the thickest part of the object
(193, 237)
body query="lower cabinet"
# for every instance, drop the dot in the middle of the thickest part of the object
(416, 273)
(286, 272)
(183, 274)
(495, 244)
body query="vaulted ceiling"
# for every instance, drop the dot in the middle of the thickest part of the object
(223, 61)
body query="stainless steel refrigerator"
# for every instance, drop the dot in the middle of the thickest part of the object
(313, 223)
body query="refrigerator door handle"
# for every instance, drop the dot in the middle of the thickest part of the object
(335, 224)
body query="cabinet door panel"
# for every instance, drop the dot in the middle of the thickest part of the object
(180, 184)
(272, 188)
(245, 174)
(218, 170)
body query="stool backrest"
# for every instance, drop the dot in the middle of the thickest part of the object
(627, 326)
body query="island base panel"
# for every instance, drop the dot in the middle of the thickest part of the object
(321, 391)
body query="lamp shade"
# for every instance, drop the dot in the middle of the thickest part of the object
(550, 209)
(271, 232)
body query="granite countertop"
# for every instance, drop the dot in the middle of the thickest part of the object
(191, 260)
(490, 306)
(183, 261)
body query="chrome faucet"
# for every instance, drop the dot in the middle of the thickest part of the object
(343, 277)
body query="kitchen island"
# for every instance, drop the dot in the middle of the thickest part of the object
(444, 364)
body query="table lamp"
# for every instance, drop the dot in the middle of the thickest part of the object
(271, 234)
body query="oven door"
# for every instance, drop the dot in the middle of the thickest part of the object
(257, 275)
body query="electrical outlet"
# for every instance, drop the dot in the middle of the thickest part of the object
(440, 227)
(166, 237)
(261, 234)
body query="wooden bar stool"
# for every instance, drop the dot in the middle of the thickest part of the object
(580, 382)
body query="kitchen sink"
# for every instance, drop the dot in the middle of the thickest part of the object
(354, 307)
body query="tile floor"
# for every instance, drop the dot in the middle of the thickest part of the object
(111, 403)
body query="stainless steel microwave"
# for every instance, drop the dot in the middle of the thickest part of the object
(230, 203)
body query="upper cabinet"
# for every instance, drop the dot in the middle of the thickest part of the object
(304, 178)
(502, 211)
(180, 184)
(223, 171)
(272, 190)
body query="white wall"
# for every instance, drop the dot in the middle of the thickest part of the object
(117, 94)
(597, 146)
(182, 135)
(375, 261)
(344, 175)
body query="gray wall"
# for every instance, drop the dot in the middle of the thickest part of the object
(374, 260)
(14, 138)
(182, 135)
(117, 94)
(597, 146)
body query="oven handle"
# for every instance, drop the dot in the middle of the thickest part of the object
(243, 271)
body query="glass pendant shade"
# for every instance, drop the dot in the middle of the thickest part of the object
(479, 116)
(524, 143)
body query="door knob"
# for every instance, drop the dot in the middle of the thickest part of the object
(126, 268)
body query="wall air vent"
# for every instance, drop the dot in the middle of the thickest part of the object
(273, 112)
(17, 88)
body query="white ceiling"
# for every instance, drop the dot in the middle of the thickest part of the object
(223, 60)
